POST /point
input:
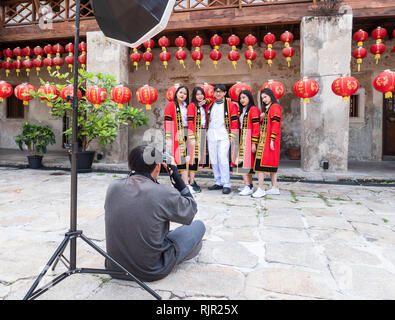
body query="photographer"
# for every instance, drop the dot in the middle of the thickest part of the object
(138, 211)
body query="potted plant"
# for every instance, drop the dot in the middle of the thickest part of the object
(35, 138)
(94, 123)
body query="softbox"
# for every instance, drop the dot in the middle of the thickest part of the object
(114, 19)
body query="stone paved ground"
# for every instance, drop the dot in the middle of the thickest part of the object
(314, 241)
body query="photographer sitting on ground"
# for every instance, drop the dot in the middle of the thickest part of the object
(138, 211)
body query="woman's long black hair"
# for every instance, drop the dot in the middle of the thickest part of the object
(270, 93)
(175, 95)
(251, 102)
(194, 92)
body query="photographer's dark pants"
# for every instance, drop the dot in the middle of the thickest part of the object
(188, 239)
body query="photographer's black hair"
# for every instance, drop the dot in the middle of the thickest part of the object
(144, 159)
(222, 87)
(251, 102)
(194, 92)
(175, 95)
(270, 93)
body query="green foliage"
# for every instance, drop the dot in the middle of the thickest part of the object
(35, 137)
(101, 124)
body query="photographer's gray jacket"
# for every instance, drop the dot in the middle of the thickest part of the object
(137, 216)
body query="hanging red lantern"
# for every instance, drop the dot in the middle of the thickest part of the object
(164, 56)
(215, 55)
(250, 41)
(8, 66)
(69, 48)
(17, 64)
(58, 49)
(48, 89)
(233, 41)
(276, 86)
(48, 50)
(82, 60)
(38, 51)
(269, 55)
(181, 55)
(27, 52)
(120, 95)
(8, 54)
(38, 64)
(250, 54)
(286, 37)
(234, 56)
(379, 34)
(83, 47)
(148, 57)
(147, 95)
(377, 49)
(306, 88)
(208, 90)
(345, 86)
(17, 53)
(70, 61)
(149, 44)
(360, 37)
(96, 95)
(28, 65)
(197, 55)
(69, 92)
(385, 83)
(58, 62)
(197, 42)
(171, 92)
(6, 90)
(135, 57)
(22, 92)
(164, 42)
(236, 89)
(180, 42)
(288, 53)
(216, 41)
(269, 39)
(359, 54)
(49, 63)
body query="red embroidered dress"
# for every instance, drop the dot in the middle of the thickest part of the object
(174, 129)
(266, 160)
(197, 133)
(249, 134)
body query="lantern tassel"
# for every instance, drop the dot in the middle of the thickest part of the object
(120, 106)
(97, 106)
(198, 63)
(345, 99)
(234, 64)
(1, 99)
(148, 106)
(377, 57)
(306, 100)
(388, 95)
(249, 63)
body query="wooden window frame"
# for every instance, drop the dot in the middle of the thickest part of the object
(359, 121)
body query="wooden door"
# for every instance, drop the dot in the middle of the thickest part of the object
(389, 127)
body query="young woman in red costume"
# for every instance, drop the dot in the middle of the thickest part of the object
(268, 150)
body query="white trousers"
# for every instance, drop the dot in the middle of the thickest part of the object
(219, 158)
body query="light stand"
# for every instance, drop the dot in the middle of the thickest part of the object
(73, 234)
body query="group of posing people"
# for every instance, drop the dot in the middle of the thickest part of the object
(223, 134)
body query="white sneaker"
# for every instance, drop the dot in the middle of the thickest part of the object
(273, 191)
(259, 193)
(191, 189)
(246, 191)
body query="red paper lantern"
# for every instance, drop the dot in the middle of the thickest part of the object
(135, 57)
(276, 86)
(269, 55)
(58, 62)
(345, 86)
(236, 89)
(58, 49)
(48, 50)
(306, 88)
(288, 53)
(360, 37)
(6, 90)
(120, 95)
(234, 56)
(378, 34)
(269, 39)
(48, 89)
(27, 52)
(69, 92)
(8, 66)
(148, 57)
(164, 42)
(149, 44)
(180, 42)
(83, 47)
(17, 53)
(49, 63)
(70, 61)
(250, 41)
(377, 49)
(233, 41)
(38, 64)
(286, 37)
(96, 95)
(385, 83)
(359, 54)
(17, 64)
(171, 92)
(165, 57)
(197, 42)
(215, 55)
(8, 53)
(28, 65)
(181, 56)
(147, 95)
(208, 90)
(38, 51)
(197, 56)
(250, 56)
(22, 92)
(70, 49)
(216, 41)
(82, 60)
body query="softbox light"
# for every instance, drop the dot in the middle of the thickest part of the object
(115, 19)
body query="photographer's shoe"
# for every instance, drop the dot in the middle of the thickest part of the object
(226, 190)
(191, 189)
(196, 187)
(215, 187)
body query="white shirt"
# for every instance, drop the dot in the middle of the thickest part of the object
(217, 129)
(242, 116)
(184, 110)
(203, 116)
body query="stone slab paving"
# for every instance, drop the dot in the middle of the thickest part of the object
(314, 241)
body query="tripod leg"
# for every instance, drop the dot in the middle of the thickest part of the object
(58, 251)
(104, 254)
